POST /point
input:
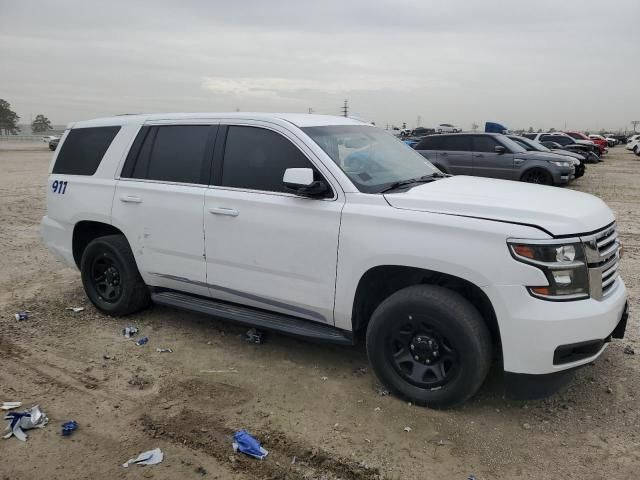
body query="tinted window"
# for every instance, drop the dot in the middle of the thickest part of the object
(83, 149)
(562, 140)
(484, 143)
(256, 158)
(461, 143)
(175, 153)
(430, 143)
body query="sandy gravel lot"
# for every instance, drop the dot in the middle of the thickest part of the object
(315, 403)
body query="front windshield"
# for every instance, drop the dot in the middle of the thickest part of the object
(512, 146)
(371, 158)
(532, 144)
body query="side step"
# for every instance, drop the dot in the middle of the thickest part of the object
(254, 317)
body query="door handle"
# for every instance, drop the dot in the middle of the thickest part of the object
(518, 161)
(130, 199)
(479, 155)
(224, 211)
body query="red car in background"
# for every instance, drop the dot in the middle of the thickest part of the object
(602, 144)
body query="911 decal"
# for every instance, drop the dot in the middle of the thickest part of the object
(59, 187)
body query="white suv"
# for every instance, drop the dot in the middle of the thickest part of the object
(328, 228)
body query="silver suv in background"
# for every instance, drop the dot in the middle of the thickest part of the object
(496, 156)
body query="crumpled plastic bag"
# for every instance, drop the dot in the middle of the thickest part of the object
(248, 445)
(20, 421)
(151, 457)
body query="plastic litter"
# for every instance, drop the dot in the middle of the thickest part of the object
(142, 341)
(628, 350)
(69, 427)
(383, 392)
(20, 316)
(150, 457)
(164, 350)
(245, 443)
(471, 477)
(75, 309)
(254, 336)
(10, 405)
(407, 429)
(20, 421)
(129, 332)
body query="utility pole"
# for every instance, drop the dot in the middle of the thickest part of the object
(310, 110)
(634, 124)
(345, 108)
(419, 121)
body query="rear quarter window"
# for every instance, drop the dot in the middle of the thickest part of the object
(83, 149)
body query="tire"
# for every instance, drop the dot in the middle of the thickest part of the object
(111, 278)
(461, 346)
(537, 176)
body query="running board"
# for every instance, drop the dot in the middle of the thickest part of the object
(261, 319)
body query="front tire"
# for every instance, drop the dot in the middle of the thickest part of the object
(429, 345)
(537, 176)
(111, 278)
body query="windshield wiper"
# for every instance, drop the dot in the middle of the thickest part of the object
(414, 181)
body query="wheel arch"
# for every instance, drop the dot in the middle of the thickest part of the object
(85, 231)
(379, 282)
(534, 168)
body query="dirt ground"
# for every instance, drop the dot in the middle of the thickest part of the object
(316, 408)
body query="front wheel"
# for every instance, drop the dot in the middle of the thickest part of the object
(538, 176)
(111, 278)
(429, 345)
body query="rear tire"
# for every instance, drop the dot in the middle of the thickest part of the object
(429, 345)
(537, 176)
(111, 278)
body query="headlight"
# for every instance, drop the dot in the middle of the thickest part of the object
(563, 264)
(562, 163)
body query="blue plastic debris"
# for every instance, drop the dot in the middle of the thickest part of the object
(69, 427)
(21, 316)
(19, 421)
(142, 341)
(248, 445)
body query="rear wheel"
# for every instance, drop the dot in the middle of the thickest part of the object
(537, 175)
(111, 278)
(429, 345)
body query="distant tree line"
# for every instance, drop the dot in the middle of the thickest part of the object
(9, 121)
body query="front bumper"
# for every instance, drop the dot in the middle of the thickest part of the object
(531, 329)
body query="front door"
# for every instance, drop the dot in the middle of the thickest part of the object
(455, 152)
(488, 163)
(266, 247)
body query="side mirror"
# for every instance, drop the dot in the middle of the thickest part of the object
(500, 149)
(300, 181)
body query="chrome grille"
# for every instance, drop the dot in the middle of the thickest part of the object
(602, 251)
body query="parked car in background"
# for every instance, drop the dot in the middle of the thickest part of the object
(533, 146)
(612, 141)
(447, 128)
(605, 141)
(633, 145)
(590, 155)
(600, 142)
(566, 141)
(632, 141)
(53, 143)
(494, 155)
(48, 138)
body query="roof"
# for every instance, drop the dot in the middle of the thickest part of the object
(298, 119)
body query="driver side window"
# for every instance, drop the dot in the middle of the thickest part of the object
(256, 158)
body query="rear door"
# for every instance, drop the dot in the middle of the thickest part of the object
(487, 162)
(159, 203)
(457, 153)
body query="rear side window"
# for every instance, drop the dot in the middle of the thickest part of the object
(83, 149)
(256, 158)
(460, 143)
(174, 153)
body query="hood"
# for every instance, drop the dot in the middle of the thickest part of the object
(556, 210)
(545, 156)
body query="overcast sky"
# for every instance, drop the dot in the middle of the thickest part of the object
(521, 63)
